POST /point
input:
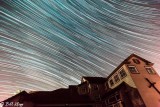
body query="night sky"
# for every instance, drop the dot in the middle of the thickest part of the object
(50, 44)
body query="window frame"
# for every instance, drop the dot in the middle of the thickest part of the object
(106, 101)
(95, 87)
(110, 83)
(113, 99)
(136, 61)
(116, 74)
(153, 71)
(83, 90)
(118, 99)
(137, 72)
(114, 96)
(117, 105)
(97, 97)
(122, 69)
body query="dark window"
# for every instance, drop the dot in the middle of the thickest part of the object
(150, 70)
(133, 69)
(111, 82)
(112, 99)
(117, 97)
(122, 73)
(97, 97)
(83, 89)
(136, 61)
(116, 78)
(95, 87)
(106, 101)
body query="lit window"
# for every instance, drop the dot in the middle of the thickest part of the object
(111, 82)
(133, 69)
(116, 78)
(122, 73)
(150, 70)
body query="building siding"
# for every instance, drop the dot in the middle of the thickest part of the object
(149, 95)
(128, 79)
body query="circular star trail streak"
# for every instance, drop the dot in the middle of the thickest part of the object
(49, 44)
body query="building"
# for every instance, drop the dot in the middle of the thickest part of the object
(94, 87)
(139, 75)
(59, 98)
(134, 83)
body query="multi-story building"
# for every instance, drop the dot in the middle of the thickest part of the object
(141, 81)
(134, 83)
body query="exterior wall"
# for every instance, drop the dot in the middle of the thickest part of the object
(27, 104)
(124, 96)
(116, 102)
(131, 97)
(149, 95)
(127, 79)
(65, 105)
(101, 88)
(83, 89)
(96, 91)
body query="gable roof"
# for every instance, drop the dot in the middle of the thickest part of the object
(134, 55)
(99, 80)
(126, 62)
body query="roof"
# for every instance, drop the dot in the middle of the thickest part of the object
(100, 80)
(59, 96)
(126, 61)
(134, 55)
(83, 83)
(23, 93)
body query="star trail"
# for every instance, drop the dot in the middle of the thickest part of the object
(50, 44)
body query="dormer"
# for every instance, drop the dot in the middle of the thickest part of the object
(83, 88)
(95, 86)
(93, 82)
(97, 80)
